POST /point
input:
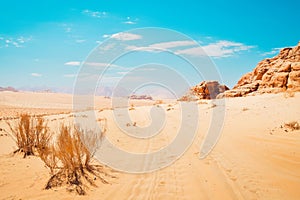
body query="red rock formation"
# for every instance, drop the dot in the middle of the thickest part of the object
(271, 75)
(141, 97)
(205, 90)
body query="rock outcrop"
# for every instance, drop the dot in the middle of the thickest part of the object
(11, 89)
(141, 97)
(271, 75)
(205, 90)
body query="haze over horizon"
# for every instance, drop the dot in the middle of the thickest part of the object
(44, 43)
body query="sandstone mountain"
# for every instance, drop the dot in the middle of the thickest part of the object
(271, 75)
(205, 90)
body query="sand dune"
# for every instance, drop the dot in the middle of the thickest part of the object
(255, 158)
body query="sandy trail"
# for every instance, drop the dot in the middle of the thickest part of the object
(255, 158)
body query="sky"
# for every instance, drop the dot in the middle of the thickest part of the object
(45, 44)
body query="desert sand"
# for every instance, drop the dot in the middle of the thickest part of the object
(256, 157)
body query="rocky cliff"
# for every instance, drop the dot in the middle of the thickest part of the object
(271, 75)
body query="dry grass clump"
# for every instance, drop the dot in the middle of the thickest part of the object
(32, 134)
(70, 159)
(158, 102)
(245, 109)
(292, 125)
(69, 156)
(131, 108)
(202, 102)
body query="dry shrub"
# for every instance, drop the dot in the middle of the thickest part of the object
(158, 102)
(202, 102)
(245, 109)
(70, 159)
(212, 105)
(131, 108)
(292, 125)
(32, 134)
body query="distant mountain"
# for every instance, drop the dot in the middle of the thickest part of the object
(141, 97)
(11, 89)
(271, 75)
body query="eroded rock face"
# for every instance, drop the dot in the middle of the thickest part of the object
(271, 75)
(205, 90)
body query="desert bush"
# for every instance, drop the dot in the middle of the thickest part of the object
(70, 159)
(31, 134)
(159, 102)
(245, 109)
(131, 108)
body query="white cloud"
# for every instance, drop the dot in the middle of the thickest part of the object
(70, 75)
(95, 14)
(73, 63)
(129, 22)
(17, 42)
(122, 73)
(107, 47)
(36, 74)
(97, 64)
(68, 29)
(106, 36)
(218, 49)
(272, 52)
(163, 46)
(126, 36)
(80, 41)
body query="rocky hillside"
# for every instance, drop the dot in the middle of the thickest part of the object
(205, 90)
(271, 75)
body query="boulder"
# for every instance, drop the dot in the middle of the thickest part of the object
(205, 90)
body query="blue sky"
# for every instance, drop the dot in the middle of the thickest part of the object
(43, 43)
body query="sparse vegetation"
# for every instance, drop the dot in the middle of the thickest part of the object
(31, 134)
(158, 102)
(245, 109)
(202, 102)
(70, 159)
(131, 108)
